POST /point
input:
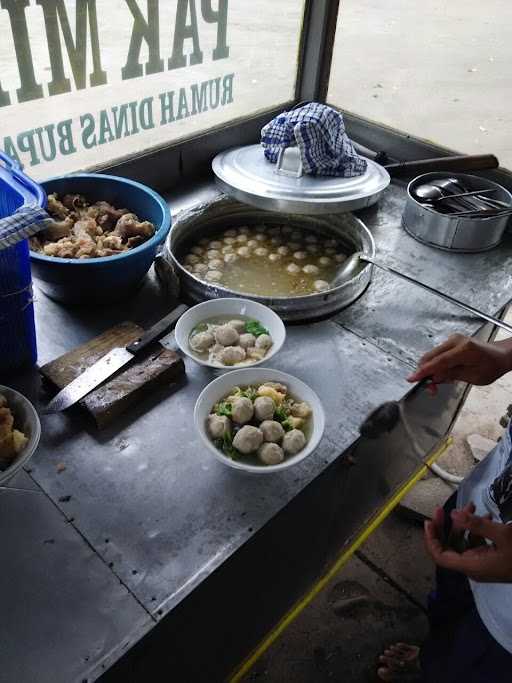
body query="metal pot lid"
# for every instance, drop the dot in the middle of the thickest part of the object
(245, 174)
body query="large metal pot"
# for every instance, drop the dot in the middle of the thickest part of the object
(223, 213)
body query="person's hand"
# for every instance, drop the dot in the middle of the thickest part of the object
(480, 561)
(465, 359)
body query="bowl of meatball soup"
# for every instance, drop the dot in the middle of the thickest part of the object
(229, 334)
(259, 420)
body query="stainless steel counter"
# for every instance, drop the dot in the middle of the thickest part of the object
(141, 534)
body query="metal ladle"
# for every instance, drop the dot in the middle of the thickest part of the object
(353, 265)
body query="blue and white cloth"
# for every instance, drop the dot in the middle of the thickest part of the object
(319, 133)
(27, 221)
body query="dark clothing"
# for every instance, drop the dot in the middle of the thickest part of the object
(460, 649)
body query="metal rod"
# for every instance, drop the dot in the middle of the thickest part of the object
(446, 297)
(464, 194)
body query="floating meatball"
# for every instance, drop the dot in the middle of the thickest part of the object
(213, 276)
(230, 233)
(248, 439)
(244, 252)
(274, 257)
(252, 243)
(198, 251)
(283, 251)
(231, 258)
(272, 431)
(324, 261)
(218, 425)
(231, 355)
(201, 342)
(242, 410)
(264, 408)
(239, 325)
(229, 241)
(293, 442)
(200, 269)
(270, 454)
(242, 239)
(228, 249)
(213, 254)
(311, 270)
(260, 237)
(217, 263)
(300, 409)
(192, 259)
(321, 285)
(261, 251)
(226, 335)
(247, 340)
(300, 255)
(215, 244)
(264, 341)
(293, 268)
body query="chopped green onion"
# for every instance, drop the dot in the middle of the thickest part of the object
(255, 328)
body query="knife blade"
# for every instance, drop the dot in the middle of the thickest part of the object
(110, 364)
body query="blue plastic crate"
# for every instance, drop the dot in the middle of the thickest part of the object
(18, 347)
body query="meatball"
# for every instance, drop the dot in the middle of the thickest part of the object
(229, 241)
(217, 264)
(231, 258)
(245, 252)
(231, 355)
(198, 251)
(300, 409)
(274, 257)
(247, 340)
(226, 335)
(252, 243)
(260, 237)
(300, 255)
(261, 251)
(248, 439)
(239, 325)
(311, 270)
(228, 249)
(242, 410)
(242, 239)
(201, 342)
(200, 269)
(283, 251)
(192, 259)
(293, 268)
(324, 261)
(320, 285)
(215, 245)
(264, 408)
(272, 431)
(270, 454)
(218, 425)
(230, 233)
(213, 276)
(264, 341)
(293, 441)
(213, 254)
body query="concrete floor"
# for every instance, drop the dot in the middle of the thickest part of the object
(391, 575)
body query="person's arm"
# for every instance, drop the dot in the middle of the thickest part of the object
(465, 359)
(482, 562)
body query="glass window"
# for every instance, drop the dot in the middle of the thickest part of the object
(438, 70)
(88, 82)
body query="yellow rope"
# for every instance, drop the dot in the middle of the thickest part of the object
(377, 520)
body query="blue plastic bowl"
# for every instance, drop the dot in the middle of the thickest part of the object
(108, 278)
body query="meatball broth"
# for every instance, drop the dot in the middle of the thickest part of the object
(266, 260)
(263, 424)
(223, 341)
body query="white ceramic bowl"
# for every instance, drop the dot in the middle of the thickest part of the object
(221, 387)
(27, 421)
(234, 308)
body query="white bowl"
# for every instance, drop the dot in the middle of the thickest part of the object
(27, 421)
(221, 387)
(234, 308)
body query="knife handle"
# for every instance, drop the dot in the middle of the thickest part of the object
(157, 331)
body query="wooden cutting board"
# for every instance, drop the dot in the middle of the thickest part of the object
(159, 367)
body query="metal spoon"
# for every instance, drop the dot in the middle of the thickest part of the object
(453, 186)
(355, 263)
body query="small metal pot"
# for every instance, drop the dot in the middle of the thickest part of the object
(223, 213)
(455, 233)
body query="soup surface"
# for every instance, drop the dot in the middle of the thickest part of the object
(266, 260)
